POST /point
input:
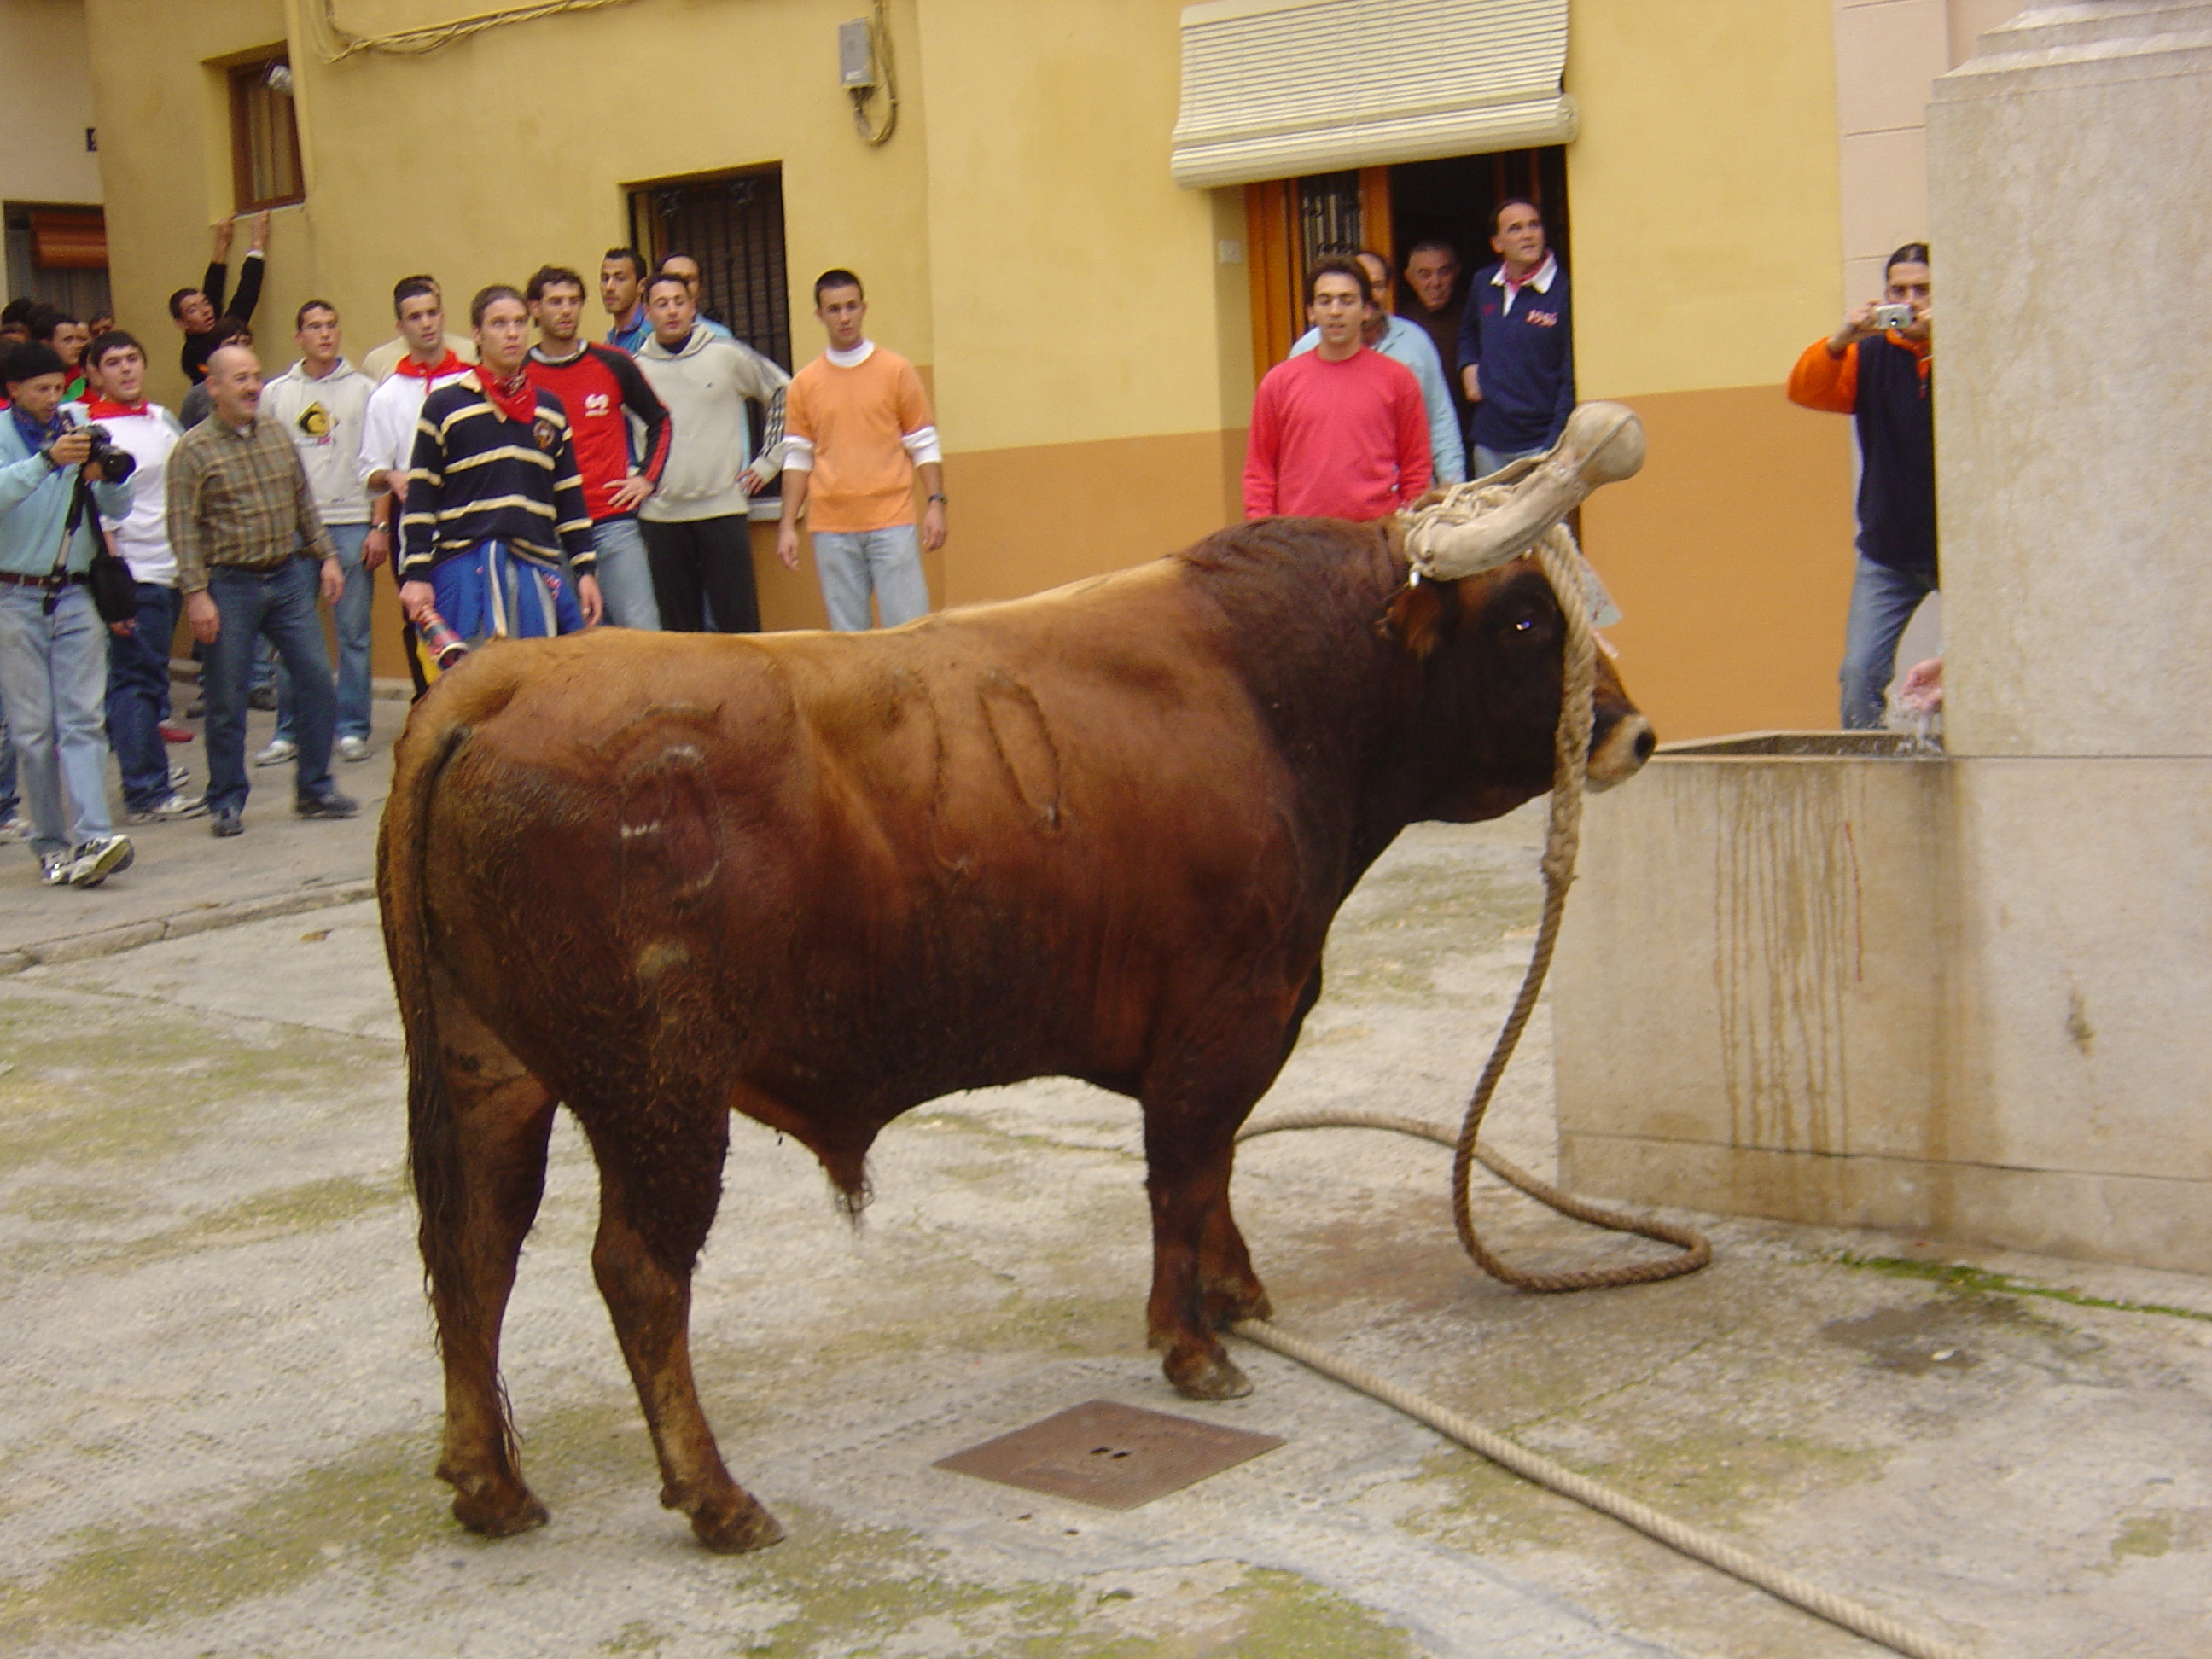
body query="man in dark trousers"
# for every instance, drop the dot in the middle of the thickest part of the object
(1517, 344)
(1879, 375)
(196, 309)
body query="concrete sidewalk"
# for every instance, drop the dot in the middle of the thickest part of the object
(222, 1402)
(183, 880)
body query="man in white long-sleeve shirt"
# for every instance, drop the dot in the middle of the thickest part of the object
(387, 439)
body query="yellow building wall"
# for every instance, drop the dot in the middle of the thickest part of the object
(45, 85)
(1704, 190)
(1086, 340)
(1083, 314)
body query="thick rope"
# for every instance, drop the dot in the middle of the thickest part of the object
(1692, 1542)
(1562, 565)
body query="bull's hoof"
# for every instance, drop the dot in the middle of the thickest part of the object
(498, 1506)
(1206, 1377)
(736, 1525)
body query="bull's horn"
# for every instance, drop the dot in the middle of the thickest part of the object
(1602, 444)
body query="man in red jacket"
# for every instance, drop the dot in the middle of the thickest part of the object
(1340, 432)
(600, 388)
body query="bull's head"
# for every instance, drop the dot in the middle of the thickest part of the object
(1482, 616)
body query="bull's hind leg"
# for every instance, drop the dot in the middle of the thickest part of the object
(472, 1239)
(1229, 1288)
(660, 1182)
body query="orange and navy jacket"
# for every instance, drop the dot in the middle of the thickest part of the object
(1885, 386)
(601, 388)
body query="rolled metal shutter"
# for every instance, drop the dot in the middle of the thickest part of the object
(1281, 89)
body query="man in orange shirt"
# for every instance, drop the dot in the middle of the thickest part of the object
(857, 429)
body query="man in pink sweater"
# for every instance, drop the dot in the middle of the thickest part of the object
(1341, 432)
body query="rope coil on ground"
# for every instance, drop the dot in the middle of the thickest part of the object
(1563, 566)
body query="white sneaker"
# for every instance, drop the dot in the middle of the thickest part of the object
(56, 868)
(168, 809)
(353, 748)
(179, 776)
(13, 827)
(96, 860)
(279, 751)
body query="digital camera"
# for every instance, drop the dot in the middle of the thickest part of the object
(1893, 316)
(115, 463)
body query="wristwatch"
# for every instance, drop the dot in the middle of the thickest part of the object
(938, 498)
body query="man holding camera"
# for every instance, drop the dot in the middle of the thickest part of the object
(53, 651)
(251, 558)
(1876, 369)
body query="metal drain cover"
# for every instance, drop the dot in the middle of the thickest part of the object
(1110, 1456)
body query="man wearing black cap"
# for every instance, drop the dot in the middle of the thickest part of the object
(53, 648)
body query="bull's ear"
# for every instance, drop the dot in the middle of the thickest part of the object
(1423, 614)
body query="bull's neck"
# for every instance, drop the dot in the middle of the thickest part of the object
(1303, 608)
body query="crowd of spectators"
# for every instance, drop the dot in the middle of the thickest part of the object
(517, 489)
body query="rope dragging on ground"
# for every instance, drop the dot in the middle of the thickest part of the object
(1564, 567)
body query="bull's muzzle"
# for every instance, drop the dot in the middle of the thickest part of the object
(1619, 750)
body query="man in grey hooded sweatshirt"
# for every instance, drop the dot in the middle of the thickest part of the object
(695, 525)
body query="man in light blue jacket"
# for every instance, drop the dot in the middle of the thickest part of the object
(53, 646)
(1408, 343)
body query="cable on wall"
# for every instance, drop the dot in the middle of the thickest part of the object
(415, 42)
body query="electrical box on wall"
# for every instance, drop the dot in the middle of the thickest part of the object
(856, 55)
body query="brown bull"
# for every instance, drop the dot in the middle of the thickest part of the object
(821, 880)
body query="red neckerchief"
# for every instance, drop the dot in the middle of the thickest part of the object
(416, 368)
(517, 399)
(100, 409)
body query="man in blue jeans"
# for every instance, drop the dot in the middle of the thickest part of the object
(138, 651)
(321, 403)
(1877, 369)
(53, 646)
(248, 544)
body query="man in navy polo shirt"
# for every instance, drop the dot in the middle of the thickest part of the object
(1517, 344)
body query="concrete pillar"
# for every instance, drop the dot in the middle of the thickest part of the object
(2071, 195)
(2071, 210)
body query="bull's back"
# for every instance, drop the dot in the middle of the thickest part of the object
(960, 852)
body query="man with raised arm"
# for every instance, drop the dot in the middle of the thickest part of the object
(194, 310)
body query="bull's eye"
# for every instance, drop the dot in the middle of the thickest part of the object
(1526, 625)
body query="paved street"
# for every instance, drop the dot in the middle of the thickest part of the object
(221, 1402)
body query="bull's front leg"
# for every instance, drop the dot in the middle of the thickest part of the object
(1202, 1277)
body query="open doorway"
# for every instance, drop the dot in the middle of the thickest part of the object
(1292, 221)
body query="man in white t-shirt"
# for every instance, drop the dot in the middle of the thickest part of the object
(322, 404)
(138, 651)
(387, 439)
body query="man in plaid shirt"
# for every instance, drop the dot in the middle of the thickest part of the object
(248, 543)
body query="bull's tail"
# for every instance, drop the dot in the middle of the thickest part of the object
(434, 1146)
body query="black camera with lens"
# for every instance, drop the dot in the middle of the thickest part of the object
(115, 463)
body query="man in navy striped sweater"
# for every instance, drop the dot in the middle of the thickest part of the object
(494, 497)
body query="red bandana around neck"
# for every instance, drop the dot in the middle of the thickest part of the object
(100, 409)
(516, 398)
(415, 369)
